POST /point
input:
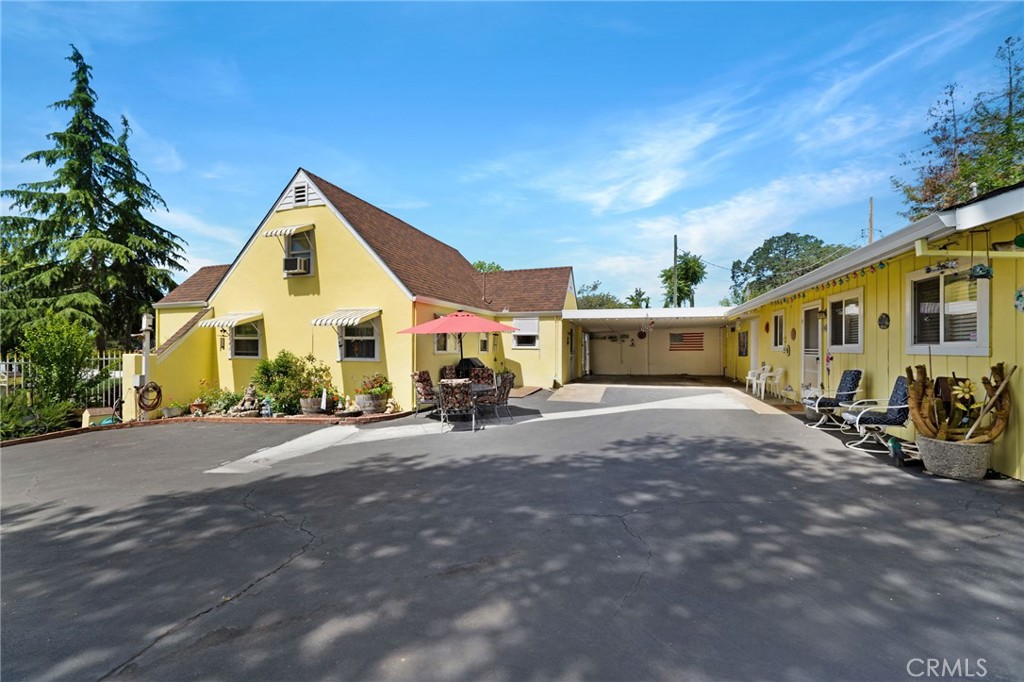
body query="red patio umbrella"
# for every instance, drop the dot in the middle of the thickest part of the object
(459, 323)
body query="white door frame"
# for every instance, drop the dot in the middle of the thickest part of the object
(816, 306)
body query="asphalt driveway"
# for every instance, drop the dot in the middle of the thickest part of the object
(658, 534)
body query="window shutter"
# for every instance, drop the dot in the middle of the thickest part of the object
(528, 326)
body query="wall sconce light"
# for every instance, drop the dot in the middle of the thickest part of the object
(822, 315)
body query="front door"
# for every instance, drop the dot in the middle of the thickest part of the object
(810, 367)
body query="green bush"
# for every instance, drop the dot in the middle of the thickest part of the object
(217, 399)
(287, 378)
(18, 419)
(63, 355)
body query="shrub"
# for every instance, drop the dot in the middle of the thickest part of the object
(287, 378)
(18, 419)
(217, 399)
(62, 354)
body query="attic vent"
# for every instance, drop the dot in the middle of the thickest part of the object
(299, 196)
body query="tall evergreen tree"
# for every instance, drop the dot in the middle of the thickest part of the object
(80, 246)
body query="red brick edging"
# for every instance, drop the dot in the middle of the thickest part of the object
(297, 419)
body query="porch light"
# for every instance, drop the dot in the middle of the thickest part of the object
(822, 314)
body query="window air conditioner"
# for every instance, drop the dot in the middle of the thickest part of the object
(293, 266)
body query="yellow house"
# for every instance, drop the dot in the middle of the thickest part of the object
(330, 274)
(917, 296)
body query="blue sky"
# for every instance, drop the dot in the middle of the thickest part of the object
(530, 134)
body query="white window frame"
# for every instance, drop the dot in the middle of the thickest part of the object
(979, 347)
(451, 344)
(858, 347)
(778, 330)
(290, 252)
(232, 355)
(528, 326)
(485, 343)
(375, 338)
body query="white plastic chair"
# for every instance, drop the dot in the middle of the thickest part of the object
(754, 375)
(770, 382)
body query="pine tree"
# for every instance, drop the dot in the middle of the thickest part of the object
(80, 246)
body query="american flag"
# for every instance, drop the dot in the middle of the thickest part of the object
(686, 341)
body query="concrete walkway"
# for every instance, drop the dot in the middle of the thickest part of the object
(665, 533)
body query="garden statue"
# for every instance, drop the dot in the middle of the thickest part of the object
(249, 405)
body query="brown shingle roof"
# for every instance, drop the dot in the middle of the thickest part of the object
(534, 290)
(199, 286)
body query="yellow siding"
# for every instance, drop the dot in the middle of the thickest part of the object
(885, 356)
(170, 320)
(345, 275)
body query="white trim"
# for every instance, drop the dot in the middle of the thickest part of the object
(259, 342)
(978, 348)
(232, 320)
(289, 230)
(346, 317)
(181, 304)
(852, 348)
(375, 322)
(778, 329)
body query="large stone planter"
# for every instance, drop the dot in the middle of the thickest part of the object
(372, 404)
(949, 459)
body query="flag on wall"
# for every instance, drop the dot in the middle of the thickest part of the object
(686, 341)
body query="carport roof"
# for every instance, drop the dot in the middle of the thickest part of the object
(628, 319)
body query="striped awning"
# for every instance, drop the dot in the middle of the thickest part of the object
(231, 320)
(346, 317)
(289, 230)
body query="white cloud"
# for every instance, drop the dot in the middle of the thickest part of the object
(189, 227)
(149, 150)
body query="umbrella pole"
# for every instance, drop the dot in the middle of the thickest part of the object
(462, 355)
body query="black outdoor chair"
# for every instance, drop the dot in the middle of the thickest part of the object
(826, 406)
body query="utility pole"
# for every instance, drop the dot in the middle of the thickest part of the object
(871, 219)
(675, 270)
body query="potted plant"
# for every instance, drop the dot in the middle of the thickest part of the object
(373, 393)
(955, 439)
(173, 409)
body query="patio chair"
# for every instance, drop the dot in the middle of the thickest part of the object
(426, 393)
(849, 384)
(500, 397)
(448, 372)
(872, 417)
(768, 379)
(481, 375)
(455, 398)
(754, 374)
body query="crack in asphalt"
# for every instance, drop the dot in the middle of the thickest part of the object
(313, 540)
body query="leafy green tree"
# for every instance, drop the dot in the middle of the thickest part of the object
(484, 266)
(61, 354)
(589, 298)
(689, 272)
(998, 126)
(638, 299)
(778, 260)
(80, 245)
(970, 149)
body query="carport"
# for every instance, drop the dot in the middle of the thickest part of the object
(652, 341)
